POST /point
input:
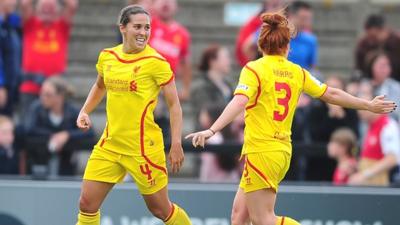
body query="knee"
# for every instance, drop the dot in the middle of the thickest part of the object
(239, 217)
(86, 205)
(158, 212)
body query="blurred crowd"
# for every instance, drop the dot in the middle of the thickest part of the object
(37, 121)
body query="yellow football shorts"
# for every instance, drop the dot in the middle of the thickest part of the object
(149, 172)
(264, 170)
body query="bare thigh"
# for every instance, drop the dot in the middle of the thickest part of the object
(261, 206)
(240, 215)
(93, 194)
(159, 203)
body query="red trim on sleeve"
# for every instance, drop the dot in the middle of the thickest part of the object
(283, 220)
(304, 76)
(324, 91)
(168, 81)
(258, 88)
(104, 139)
(259, 172)
(89, 214)
(242, 94)
(133, 60)
(142, 140)
(171, 213)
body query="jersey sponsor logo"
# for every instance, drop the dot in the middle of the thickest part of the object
(133, 86)
(242, 87)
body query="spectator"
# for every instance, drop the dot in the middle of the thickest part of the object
(172, 40)
(380, 70)
(326, 118)
(46, 31)
(378, 36)
(51, 129)
(8, 156)
(246, 49)
(380, 151)
(212, 87)
(10, 55)
(342, 147)
(222, 166)
(304, 46)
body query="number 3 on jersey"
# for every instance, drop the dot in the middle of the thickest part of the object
(283, 101)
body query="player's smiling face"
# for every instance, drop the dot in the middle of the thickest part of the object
(137, 32)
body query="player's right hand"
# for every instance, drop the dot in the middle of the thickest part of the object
(381, 106)
(83, 122)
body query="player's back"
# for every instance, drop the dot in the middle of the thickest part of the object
(273, 85)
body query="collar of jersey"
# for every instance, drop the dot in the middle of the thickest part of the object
(127, 56)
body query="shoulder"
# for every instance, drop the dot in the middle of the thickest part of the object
(154, 54)
(310, 37)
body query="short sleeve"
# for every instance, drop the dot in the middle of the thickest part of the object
(248, 83)
(99, 64)
(163, 73)
(312, 86)
(390, 140)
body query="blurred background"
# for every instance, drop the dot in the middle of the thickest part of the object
(49, 48)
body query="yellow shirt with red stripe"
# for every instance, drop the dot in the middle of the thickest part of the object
(273, 85)
(133, 82)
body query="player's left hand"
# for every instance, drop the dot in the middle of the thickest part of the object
(357, 179)
(199, 138)
(176, 157)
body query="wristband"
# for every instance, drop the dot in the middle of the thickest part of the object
(213, 132)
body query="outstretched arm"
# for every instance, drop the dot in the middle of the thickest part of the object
(377, 105)
(95, 96)
(231, 111)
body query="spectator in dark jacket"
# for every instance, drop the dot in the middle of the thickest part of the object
(378, 36)
(212, 86)
(50, 127)
(8, 156)
(326, 118)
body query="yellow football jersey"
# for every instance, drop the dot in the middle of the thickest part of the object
(273, 85)
(133, 82)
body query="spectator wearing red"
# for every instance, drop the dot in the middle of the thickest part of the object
(46, 33)
(172, 40)
(342, 147)
(380, 151)
(378, 36)
(245, 48)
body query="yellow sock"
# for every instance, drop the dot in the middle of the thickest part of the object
(88, 218)
(283, 220)
(178, 216)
